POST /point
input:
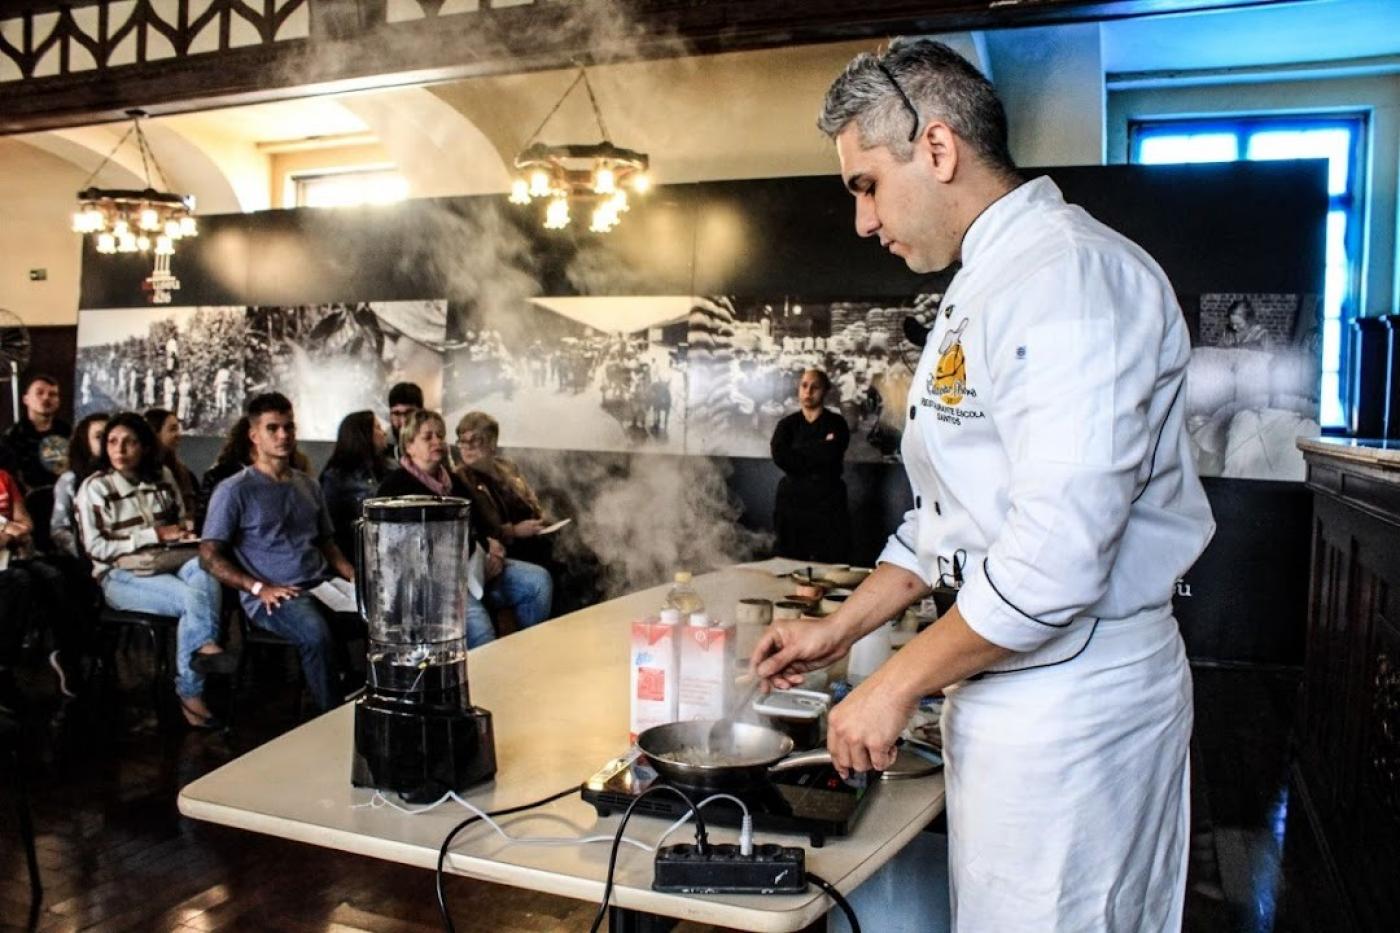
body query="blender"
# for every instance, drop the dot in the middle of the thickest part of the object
(416, 731)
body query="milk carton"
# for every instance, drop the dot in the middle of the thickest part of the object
(707, 668)
(655, 671)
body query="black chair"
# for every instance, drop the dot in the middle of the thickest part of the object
(39, 503)
(347, 627)
(251, 637)
(159, 633)
(12, 749)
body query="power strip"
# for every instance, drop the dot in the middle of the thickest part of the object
(724, 869)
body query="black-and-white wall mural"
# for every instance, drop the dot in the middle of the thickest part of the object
(187, 360)
(332, 359)
(1252, 387)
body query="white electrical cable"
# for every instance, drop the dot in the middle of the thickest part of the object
(379, 800)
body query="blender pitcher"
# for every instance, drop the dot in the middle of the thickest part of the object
(416, 732)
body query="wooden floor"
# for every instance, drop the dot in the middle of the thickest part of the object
(116, 855)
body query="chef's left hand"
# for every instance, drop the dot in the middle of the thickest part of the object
(863, 728)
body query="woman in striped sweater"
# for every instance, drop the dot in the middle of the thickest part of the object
(132, 504)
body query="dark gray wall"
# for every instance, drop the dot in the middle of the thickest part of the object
(1247, 227)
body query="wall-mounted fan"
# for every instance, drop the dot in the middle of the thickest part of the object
(14, 353)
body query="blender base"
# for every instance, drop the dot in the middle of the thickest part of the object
(423, 753)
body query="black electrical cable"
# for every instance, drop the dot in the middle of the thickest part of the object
(701, 841)
(447, 843)
(835, 895)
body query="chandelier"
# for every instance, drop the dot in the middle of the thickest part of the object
(597, 175)
(130, 221)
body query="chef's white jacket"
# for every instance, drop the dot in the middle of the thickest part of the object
(1044, 434)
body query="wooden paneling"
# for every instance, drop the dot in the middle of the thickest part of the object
(1349, 722)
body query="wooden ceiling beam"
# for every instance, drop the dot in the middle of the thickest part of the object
(351, 47)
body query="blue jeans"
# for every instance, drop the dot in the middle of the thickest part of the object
(523, 587)
(300, 620)
(190, 593)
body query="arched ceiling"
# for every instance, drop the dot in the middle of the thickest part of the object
(731, 115)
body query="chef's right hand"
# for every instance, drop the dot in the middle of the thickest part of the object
(791, 648)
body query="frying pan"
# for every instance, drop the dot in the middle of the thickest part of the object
(721, 755)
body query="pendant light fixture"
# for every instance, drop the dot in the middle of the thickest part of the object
(597, 175)
(131, 221)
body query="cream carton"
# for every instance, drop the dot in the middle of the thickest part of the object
(707, 668)
(655, 671)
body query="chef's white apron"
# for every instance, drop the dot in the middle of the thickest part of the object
(1068, 788)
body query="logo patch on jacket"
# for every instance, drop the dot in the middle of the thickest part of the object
(946, 389)
(949, 378)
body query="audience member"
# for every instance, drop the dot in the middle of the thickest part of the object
(269, 536)
(167, 427)
(132, 521)
(522, 587)
(38, 441)
(353, 472)
(404, 399)
(236, 453)
(33, 593)
(500, 488)
(84, 453)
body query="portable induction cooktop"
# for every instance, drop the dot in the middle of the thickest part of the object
(814, 801)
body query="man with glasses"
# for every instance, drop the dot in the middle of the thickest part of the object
(1045, 440)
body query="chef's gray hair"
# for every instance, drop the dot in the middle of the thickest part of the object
(938, 81)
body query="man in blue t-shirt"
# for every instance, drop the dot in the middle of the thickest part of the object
(269, 536)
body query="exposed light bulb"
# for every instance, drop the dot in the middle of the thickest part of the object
(121, 228)
(165, 246)
(641, 182)
(520, 191)
(187, 226)
(604, 181)
(604, 218)
(126, 243)
(106, 243)
(143, 243)
(172, 229)
(80, 222)
(150, 220)
(539, 183)
(556, 216)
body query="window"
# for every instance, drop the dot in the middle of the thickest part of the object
(1336, 138)
(347, 188)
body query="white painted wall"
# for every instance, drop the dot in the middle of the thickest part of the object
(36, 207)
(1378, 96)
(1051, 82)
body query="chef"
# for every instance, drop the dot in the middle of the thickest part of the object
(1044, 439)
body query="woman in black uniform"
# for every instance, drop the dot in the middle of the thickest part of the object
(808, 445)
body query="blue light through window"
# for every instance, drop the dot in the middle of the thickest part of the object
(1337, 139)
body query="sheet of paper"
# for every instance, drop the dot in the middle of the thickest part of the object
(476, 572)
(551, 529)
(336, 594)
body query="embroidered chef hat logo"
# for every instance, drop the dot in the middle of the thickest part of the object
(949, 379)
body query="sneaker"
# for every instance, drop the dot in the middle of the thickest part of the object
(57, 664)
